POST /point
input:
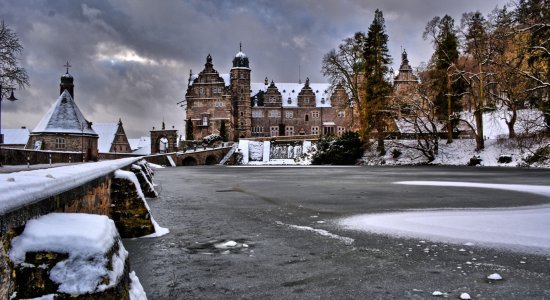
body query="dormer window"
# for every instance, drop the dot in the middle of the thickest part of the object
(271, 99)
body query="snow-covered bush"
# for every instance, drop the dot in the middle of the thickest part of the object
(210, 139)
(343, 150)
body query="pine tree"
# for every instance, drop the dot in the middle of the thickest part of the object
(378, 87)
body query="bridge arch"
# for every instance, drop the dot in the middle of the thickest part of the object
(189, 161)
(211, 160)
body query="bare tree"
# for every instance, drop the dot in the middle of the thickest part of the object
(417, 118)
(345, 65)
(10, 48)
(474, 69)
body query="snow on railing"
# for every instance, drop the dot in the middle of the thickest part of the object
(23, 188)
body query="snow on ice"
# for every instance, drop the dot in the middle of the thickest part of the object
(520, 228)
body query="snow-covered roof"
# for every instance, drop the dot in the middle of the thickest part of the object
(64, 116)
(141, 146)
(291, 90)
(106, 132)
(17, 136)
(240, 54)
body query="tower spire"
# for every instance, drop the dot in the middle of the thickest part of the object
(240, 47)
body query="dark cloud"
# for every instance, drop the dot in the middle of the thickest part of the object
(131, 59)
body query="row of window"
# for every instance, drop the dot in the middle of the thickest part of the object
(290, 114)
(215, 90)
(289, 130)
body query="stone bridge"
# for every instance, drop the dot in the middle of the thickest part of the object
(200, 156)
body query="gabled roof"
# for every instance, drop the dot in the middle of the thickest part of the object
(17, 136)
(291, 90)
(106, 132)
(64, 116)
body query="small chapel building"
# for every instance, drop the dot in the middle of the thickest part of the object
(64, 127)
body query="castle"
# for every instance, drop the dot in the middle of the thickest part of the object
(231, 103)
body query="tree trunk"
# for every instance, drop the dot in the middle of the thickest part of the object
(480, 142)
(380, 135)
(513, 119)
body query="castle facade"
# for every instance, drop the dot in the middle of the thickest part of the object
(232, 104)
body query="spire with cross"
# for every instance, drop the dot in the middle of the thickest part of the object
(67, 65)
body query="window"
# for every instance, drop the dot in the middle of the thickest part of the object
(289, 130)
(328, 130)
(271, 99)
(219, 104)
(315, 130)
(306, 100)
(59, 143)
(340, 130)
(257, 129)
(197, 104)
(201, 90)
(306, 118)
(274, 114)
(205, 121)
(315, 114)
(289, 114)
(242, 113)
(257, 114)
(341, 114)
(274, 130)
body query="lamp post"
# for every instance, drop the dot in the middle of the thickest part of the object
(10, 98)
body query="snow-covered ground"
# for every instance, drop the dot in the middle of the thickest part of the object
(521, 229)
(458, 153)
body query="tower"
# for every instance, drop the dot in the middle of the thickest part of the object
(240, 91)
(67, 82)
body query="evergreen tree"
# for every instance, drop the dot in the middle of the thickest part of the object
(223, 131)
(534, 16)
(378, 87)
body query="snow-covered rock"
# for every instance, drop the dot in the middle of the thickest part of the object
(465, 296)
(495, 277)
(69, 253)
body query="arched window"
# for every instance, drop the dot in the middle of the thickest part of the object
(307, 118)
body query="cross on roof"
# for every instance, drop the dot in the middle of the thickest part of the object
(67, 65)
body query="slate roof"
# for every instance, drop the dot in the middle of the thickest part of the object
(64, 116)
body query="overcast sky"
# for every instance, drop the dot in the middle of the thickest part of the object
(131, 58)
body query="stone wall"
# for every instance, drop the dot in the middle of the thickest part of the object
(13, 156)
(78, 143)
(104, 195)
